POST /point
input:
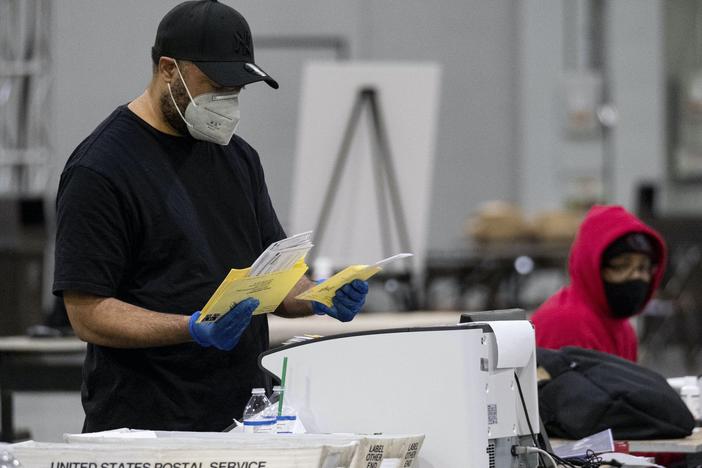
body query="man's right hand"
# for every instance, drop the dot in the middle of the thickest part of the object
(225, 333)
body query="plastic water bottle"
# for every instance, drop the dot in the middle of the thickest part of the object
(275, 396)
(258, 416)
(285, 422)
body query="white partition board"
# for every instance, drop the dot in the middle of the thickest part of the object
(408, 96)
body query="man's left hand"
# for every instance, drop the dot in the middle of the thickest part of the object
(348, 301)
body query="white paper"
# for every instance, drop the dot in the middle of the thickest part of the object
(381, 263)
(515, 342)
(283, 254)
(598, 443)
(122, 433)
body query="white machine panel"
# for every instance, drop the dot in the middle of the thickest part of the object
(418, 380)
(450, 383)
(511, 350)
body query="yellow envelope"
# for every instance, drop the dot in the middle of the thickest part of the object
(270, 290)
(324, 292)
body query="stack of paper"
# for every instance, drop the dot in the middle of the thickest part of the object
(271, 277)
(282, 255)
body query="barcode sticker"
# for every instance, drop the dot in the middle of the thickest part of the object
(492, 414)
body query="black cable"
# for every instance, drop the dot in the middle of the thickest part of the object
(531, 430)
(590, 460)
(526, 414)
(563, 461)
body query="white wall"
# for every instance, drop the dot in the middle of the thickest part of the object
(638, 91)
(682, 56)
(634, 54)
(540, 59)
(475, 42)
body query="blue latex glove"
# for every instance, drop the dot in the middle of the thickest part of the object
(348, 301)
(225, 333)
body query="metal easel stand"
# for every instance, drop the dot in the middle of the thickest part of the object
(386, 189)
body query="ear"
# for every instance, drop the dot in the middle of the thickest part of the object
(166, 69)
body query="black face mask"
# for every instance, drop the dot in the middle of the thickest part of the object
(627, 298)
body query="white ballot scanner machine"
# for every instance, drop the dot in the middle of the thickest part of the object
(468, 387)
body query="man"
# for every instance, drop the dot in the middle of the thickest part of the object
(154, 208)
(616, 263)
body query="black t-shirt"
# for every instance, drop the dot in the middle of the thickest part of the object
(157, 221)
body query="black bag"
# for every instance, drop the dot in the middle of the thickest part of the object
(590, 391)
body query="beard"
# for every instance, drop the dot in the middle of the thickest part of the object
(170, 113)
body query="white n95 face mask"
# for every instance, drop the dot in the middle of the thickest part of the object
(212, 117)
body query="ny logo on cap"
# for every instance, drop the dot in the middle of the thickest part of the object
(242, 43)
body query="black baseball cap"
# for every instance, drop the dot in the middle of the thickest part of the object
(215, 37)
(635, 242)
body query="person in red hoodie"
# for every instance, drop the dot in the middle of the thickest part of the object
(616, 263)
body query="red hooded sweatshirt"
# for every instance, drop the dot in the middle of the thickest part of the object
(578, 314)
